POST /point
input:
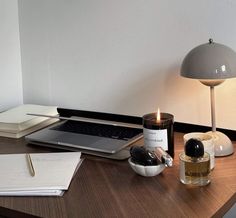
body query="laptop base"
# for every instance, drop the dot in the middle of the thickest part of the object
(120, 155)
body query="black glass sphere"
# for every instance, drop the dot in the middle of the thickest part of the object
(142, 156)
(194, 148)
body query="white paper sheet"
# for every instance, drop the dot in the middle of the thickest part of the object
(53, 173)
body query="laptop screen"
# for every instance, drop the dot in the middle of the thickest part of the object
(99, 115)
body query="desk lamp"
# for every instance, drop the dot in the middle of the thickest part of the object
(212, 63)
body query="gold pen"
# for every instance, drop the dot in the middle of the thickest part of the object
(30, 164)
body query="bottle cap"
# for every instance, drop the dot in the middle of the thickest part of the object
(194, 148)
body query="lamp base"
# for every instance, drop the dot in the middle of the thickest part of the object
(222, 143)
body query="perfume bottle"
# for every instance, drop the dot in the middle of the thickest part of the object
(194, 164)
(163, 156)
(143, 156)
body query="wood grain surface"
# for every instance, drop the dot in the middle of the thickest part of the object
(109, 188)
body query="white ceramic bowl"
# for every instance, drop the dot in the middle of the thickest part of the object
(146, 170)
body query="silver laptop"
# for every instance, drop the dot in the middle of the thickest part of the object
(90, 132)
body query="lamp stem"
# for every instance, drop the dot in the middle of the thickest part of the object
(213, 117)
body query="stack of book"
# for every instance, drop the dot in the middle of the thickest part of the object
(15, 122)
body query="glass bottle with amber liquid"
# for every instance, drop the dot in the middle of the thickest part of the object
(194, 164)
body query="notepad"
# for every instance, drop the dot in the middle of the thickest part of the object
(53, 173)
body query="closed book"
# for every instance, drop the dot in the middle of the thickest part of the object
(16, 122)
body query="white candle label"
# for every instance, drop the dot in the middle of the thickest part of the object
(155, 138)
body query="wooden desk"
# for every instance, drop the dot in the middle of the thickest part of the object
(106, 188)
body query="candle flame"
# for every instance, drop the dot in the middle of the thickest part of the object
(158, 118)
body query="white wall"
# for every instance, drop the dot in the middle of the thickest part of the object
(124, 56)
(10, 61)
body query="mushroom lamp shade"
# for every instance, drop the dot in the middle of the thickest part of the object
(212, 63)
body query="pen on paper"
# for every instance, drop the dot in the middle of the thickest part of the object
(30, 163)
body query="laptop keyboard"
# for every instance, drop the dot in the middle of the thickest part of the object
(95, 129)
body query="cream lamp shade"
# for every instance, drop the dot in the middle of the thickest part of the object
(209, 61)
(212, 63)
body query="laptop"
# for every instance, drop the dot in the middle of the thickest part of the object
(97, 133)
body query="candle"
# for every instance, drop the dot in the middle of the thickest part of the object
(158, 131)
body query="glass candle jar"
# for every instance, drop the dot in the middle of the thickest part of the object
(158, 132)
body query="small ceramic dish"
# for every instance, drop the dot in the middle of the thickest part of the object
(146, 170)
